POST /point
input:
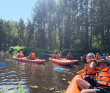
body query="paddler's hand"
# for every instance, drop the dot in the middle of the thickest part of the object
(87, 64)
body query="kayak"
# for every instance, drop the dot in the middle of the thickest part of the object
(72, 88)
(25, 59)
(63, 61)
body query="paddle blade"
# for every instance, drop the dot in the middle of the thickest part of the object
(12, 49)
(37, 57)
(43, 53)
(59, 69)
(2, 64)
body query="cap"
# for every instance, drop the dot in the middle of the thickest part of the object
(104, 54)
(107, 54)
(103, 61)
(90, 55)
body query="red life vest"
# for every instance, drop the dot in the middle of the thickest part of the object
(103, 77)
(58, 57)
(93, 73)
(53, 55)
(69, 56)
(104, 57)
(97, 57)
(32, 55)
(20, 55)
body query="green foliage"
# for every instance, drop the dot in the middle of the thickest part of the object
(12, 91)
(61, 25)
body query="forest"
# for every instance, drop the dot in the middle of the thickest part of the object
(82, 25)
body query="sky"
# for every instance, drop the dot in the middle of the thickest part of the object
(15, 9)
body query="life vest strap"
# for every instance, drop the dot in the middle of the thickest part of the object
(108, 82)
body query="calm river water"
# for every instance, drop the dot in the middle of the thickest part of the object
(28, 74)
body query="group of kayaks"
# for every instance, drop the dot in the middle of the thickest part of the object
(62, 61)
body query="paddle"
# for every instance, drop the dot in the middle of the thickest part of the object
(3, 64)
(12, 49)
(63, 70)
(46, 54)
(37, 57)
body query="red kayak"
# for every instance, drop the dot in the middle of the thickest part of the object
(63, 61)
(25, 59)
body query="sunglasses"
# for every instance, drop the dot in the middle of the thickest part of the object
(89, 56)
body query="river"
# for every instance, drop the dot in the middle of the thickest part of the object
(29, 74)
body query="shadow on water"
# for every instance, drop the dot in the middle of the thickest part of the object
(29, 74)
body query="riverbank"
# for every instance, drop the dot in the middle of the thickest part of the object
(76, 53)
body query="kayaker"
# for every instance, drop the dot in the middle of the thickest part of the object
(32, 55)
(2, 52)
(90, 68)
(83, 58)
(104, 56)
(60, 55)
(54, 55)
(20, 55)
(57, 56)
(97, 56)
(102, 80)
(69, 56)
(107, 56)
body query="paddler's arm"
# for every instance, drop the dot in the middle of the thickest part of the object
(80, 72)
(49, 54)
(91, 67)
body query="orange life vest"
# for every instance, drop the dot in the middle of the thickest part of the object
(20, 55)
(103, 77)
(53, 55)
(69, 56)
(97, 57)
(93, 73)
(32, 55)
(58, 57)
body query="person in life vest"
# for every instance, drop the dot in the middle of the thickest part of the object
(97, 56)
(20, 55)
(54, 55)
(32, 55)
(83, 58)
(69, 56)
(90, 68)
(103, 56)
(57, 56)
(60, 55)
(107, 56)
(2, 52)
(102, 83)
